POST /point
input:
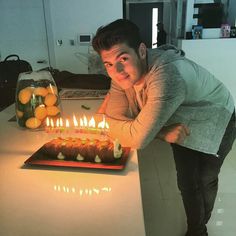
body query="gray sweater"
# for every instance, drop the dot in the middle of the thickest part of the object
(176, 90)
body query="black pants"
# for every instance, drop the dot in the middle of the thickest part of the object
(197, 178)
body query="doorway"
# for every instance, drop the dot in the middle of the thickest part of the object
(171, 13)
(141, 13)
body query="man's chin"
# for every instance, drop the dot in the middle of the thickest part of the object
(126, 85)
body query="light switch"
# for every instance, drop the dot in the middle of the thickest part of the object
(59, 42)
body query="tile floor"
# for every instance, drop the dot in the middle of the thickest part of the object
(163, 210)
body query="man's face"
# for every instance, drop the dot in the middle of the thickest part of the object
(123, 64)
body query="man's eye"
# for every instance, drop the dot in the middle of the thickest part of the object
(123, 59)
(108, 65)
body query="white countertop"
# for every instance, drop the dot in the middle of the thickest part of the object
(57, 201)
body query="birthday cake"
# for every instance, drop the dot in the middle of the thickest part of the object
(89, 150)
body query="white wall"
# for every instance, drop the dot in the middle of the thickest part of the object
(22, 31)
(69, 18)
(216, 55)
(189, 16)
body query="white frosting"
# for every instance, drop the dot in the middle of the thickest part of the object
(79, 157)
(117, 149)
(97, 159)
(60, 156)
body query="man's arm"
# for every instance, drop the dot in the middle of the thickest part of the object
(165, 92)
(175, 133)
(102, 108)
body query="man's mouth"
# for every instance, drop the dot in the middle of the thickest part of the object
(122, 78)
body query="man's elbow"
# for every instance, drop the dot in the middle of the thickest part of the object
(138, 143)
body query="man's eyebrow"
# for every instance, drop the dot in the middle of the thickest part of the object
(120, 54)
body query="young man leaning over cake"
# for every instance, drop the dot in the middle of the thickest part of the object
(159, 93)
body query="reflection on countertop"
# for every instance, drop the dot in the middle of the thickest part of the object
(82, 191)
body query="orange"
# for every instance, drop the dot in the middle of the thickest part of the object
(40, 112)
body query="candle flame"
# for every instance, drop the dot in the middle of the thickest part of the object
(92, 122)
(85, 121)
(47, 122)
(67, 123)
(61, 122)
(52, 123)
(75, 121)
(58, 123)
(103, 124)
(81, 122)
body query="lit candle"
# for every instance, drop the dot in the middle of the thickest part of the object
(52, 125)
(92, 126)
(76, 125)
(47, 127)
(81, 123)
(67, 127)
(105, 128)
(61, 124)
(85, 124)
(58, 125)
(64, 127)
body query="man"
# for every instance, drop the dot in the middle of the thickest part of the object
(161, 94)
(161, 35)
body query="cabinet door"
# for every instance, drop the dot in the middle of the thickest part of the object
(23, 31)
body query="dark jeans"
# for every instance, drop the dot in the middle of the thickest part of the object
(197, 178)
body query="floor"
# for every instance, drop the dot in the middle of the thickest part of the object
(163, 210)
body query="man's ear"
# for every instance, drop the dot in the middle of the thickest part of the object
(142, 51)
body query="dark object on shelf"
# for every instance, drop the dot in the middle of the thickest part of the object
(197, 31)
(189, 35)
(225, 30)
(210, 15)
(66, 79)
(10, 69)
(233, 32)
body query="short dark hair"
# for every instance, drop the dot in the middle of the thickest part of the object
(118, 31)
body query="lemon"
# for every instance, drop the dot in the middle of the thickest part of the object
(52, 110)
(30, 88)
(24, 95)
(33, 123)
(50, 99)
(40, 91)
(40, 112)
(19, 114)
(52, 89)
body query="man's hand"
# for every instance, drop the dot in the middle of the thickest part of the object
(102, 108)
(175, 133)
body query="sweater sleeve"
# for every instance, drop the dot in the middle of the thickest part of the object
(165, 91)
(118, 105)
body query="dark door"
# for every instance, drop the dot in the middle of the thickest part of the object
(141, 14)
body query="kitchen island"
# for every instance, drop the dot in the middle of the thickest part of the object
(64, 201)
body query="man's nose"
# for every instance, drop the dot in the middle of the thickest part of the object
(119, 67)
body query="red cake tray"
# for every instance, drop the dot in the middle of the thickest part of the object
(40, 158)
